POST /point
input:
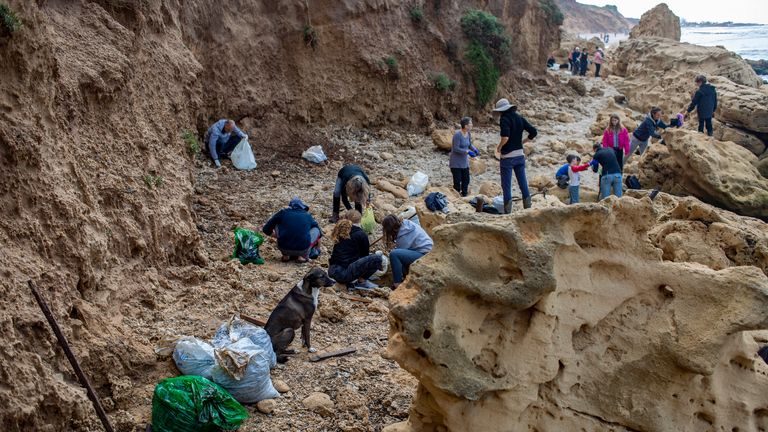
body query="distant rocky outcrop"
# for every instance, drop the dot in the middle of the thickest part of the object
(630, 314)
(582, 18)
(659, 21)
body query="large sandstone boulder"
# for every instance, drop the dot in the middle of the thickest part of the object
(443, 138)
(721, 173)
(659, 21)
(750, 142)
(741, 105)
(624, 315)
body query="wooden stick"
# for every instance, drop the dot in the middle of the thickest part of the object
(337, 353)
(356, 298)
(253, 320)
(71, 356)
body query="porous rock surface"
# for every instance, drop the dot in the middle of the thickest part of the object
(659, 21)
(592, 317)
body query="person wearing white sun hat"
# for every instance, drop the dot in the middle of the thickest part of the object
(510, 151)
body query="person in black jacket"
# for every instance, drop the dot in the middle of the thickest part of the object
(584, 60)
(297, 232)
(351, 262)
(573, 59)
(611, 173)
(705, 102)
(351, 182)
(510, 151)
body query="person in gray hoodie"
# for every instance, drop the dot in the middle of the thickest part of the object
(461, 150)
(407, 241)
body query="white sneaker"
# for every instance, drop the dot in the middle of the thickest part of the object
(366, 285)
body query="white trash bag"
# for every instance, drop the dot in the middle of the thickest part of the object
(498, 203)
(194, 357)
(242, 156)
(315, 154)
(384, 266)
(417, 184)
(243, 370)
(236, 329)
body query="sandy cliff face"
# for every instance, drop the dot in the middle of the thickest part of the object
(620, 316)
(96, 182)
(583, 18)
(660, 22)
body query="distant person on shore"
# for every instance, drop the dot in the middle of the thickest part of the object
(574, 60)
(584, 62)
(598, 61)
(510, 151)
(297, 232)
(616, 137)
(221, 138)
(574, 176)
(705, 102)
(610, 178)
(645, 131)
(607, 38)
(351, 182)
(461, 150)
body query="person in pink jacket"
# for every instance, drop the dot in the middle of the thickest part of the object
(599, 59)
(616, 137)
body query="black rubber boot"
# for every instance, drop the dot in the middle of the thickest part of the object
(527, 203)
(508, 207)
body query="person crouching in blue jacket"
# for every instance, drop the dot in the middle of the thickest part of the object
(297, 232)
(705, 102)
(647, 129)
(221, 138)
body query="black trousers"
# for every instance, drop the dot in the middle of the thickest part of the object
(708, 123)
(461, 180)
(223, 150)
(597, 70)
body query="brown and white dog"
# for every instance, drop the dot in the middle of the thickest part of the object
(295, 310)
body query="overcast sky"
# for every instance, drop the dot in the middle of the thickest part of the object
(696, 10)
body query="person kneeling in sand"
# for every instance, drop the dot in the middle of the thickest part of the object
(351, 262)
(221, 138)
(297, 232)
(407, 241)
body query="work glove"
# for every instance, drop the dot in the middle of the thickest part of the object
(218, 164)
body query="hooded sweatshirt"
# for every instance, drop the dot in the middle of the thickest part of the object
(412, 237)
(705, 101)
(293, 225)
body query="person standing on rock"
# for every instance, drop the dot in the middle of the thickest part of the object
(510, 151)
(610, 178)
(705, 102)
(351, 182)
(647, 129)
(407, 241)
(221, 138)
(616, 137)
(574, 60)
(598, 62)
(584, 62)
(461, 150)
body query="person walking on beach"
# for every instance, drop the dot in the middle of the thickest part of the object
(598, 61)
(461, 150)
(705, 102)
(616, 137)
(647, 129)
(584, 62)
(510, 151)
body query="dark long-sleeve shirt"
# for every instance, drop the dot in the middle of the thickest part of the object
(351, 249)
(606, 157)
(346, 173)
(293, 227)
(705, 101)
(512, 126)
(648, 127)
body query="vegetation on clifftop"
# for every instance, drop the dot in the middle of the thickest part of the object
(9, 22)
(488, 52)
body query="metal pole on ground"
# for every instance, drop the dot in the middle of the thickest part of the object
(71, 356)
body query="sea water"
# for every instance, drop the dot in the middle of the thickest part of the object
(750, 42)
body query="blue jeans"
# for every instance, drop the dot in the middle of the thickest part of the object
(401, 260)
(364, 268)
(608, 182)
(516, 164)
(223, 149)
(313, 251)
(573, 191)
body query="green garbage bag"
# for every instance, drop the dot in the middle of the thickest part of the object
(368, 221)
(191, 403)
(247, 245)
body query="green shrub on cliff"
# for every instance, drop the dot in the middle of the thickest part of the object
(442, 83)
(488, 52)
(417, 15)
(190, 139)
(485, 76)
(553, 12)
(9, 22)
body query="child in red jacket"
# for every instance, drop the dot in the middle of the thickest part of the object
(574, 177)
